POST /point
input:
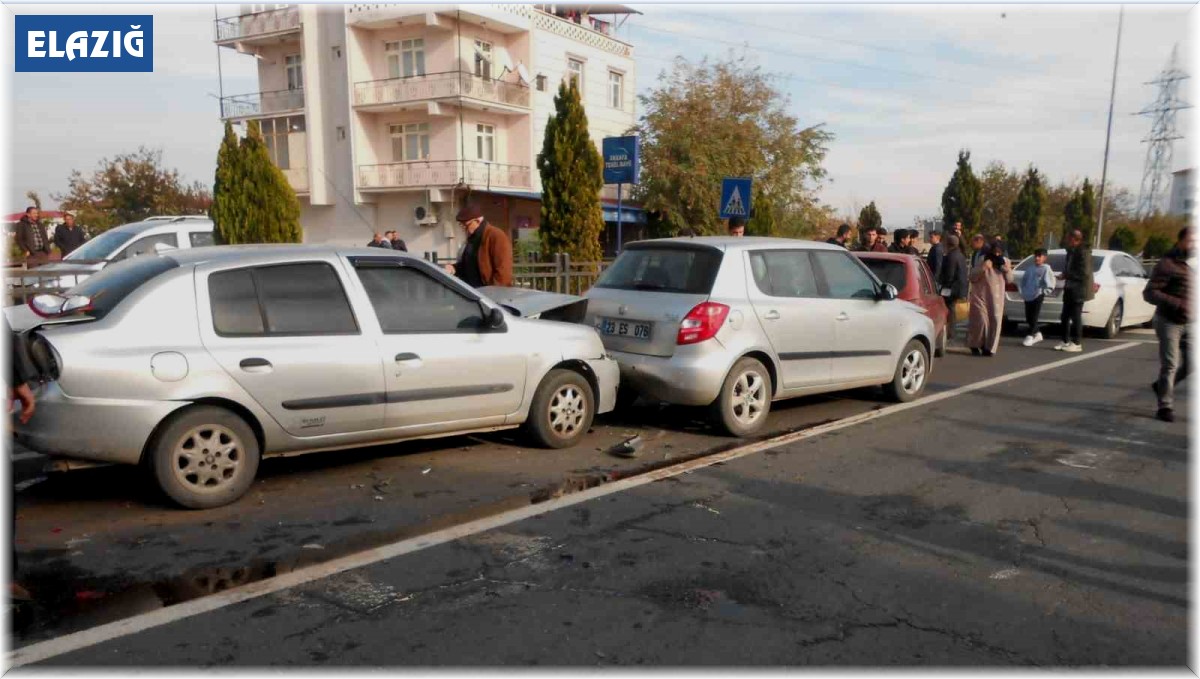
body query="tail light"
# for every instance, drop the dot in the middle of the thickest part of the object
(702, 323)
(44, 357)
(1010, 287)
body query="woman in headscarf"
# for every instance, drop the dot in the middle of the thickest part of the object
(986, 298)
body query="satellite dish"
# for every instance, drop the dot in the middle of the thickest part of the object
(506, 60)
(523, 74)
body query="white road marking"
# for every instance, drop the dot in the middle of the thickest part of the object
(50, 648)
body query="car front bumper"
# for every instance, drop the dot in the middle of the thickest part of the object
(96, 429)
(608, 378)
(692, 376)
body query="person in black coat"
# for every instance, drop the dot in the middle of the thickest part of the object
(952, 280)
(936, 254)
(67, 236)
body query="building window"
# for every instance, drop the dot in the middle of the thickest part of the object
(540, 83)
(616, 90)
(337, 51)
(575, 73)
(405, 58)
(483, 59)
(275, 133)
(293, 67)
(410, 141)
(485, 142)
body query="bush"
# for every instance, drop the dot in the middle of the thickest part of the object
(1123, 239)
(1156, 246)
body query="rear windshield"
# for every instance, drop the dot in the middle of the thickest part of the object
(117, 281)
(888, 271)
(1058, 260)
(690, 271)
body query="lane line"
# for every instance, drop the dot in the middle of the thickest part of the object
(50, 648)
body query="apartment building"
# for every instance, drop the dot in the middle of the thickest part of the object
(387, 117)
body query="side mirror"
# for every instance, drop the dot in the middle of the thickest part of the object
(887, 293)
(495, 318)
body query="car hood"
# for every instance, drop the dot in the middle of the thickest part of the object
(548, 306)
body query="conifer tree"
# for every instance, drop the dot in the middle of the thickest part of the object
(1025, 218)
(572, 176)
(253, 201)
(225, 210)
(1080, 213)
(962, 201)
(869, 217)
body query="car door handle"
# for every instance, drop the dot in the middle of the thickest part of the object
(400, 358)
(255, 365)
(843, 316)
(771, 315)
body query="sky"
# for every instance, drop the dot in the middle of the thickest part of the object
(901, 87)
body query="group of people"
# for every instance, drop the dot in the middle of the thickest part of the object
(388, 240)
(38, 247)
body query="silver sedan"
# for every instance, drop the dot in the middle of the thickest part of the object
(199, 362)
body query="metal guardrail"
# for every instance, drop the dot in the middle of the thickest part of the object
(560, 275)
(22, 284)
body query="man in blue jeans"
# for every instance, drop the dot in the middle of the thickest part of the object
(1170, 289)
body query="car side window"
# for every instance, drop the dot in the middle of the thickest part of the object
(784, 273)
(844, 277)
(926, 280)
(287, 299)
(1131, 268)
(201, 239)
(407, 300)
(144, 246)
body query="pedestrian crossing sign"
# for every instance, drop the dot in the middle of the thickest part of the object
(735, 197)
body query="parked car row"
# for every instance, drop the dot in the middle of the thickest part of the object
(199, 361)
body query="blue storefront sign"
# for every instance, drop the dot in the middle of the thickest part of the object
(621, 158)
(84, 43)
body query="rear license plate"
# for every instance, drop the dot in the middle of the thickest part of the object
(615, 328)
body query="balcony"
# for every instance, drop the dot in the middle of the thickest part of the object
(259, 104)
(451, 87)
(298, 178)
(420, 174)
(257, 27)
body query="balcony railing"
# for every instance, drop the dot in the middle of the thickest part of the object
(422, 173)
(439, 86)
(262, 103)
(249, 26)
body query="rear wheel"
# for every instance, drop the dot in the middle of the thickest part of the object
(562, 409)
(912, 372)
(1113, 327)
(745, 399)
(204, 457)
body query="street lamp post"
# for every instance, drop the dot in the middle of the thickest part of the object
(1108, 136)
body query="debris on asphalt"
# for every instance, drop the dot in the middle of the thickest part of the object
(628, 448)
(378, 497)
(74, 542)
(426, 470)
(406, 598)
(1004, 574)
(55, 530)
(701, 505)
(356, 486)
(313, 545)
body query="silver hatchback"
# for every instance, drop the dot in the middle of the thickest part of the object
(199, 362)
(734, 323)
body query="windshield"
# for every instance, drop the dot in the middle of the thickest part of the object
(889, 272)
(102, 246)
(117, 281)
(1057, 260)
(690, 270)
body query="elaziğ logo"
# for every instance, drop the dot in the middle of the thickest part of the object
(89, 43)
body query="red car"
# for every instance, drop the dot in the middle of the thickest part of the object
(914, 281)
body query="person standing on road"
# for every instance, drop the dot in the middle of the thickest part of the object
(1035, 285)
(987, 301)
(978, 250)
(737, 227)
(67, 236)
(843, 235)
(1170, 290)
(957, 230)
(32, 238)
(1077, 291)
(952, 281)
(936, 254)
(486, 258)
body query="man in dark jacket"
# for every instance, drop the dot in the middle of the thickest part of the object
(1170, 289)
(936, 254)
(1077, 291)
(67, 236)
(380, 242)
(396, 241)
(32, 238)
(843, 235)
(952, 281)
(486, 258)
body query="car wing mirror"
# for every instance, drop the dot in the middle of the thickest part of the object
(495, 318)
(887, 293)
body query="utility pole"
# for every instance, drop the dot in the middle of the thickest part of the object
(1163, 134)
(1112, 98)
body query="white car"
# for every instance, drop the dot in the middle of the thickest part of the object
(1118, 279)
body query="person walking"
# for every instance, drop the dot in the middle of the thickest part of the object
(32, 238)
(67, 236)
(936, 254)
(1077, 291)
(1037, 282)
(737, 227)
(486, 258)
(1170, 291)
(986, 298)
(952, 281)
(843, 235)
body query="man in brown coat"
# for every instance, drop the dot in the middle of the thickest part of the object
(1170, 290)
(486, 258)
(32, 237)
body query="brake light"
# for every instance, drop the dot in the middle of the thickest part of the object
(702, 323)
(1095, 287)
(1010, 287)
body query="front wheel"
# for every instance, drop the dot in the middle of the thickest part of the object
(912, 371)
(745, 399)
(562, 409)
(204, 457)
(1113, 327)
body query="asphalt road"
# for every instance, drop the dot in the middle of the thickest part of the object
(1038, 521)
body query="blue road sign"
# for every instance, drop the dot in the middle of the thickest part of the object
(735, 197)
(621, 160)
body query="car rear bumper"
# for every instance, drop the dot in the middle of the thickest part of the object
(608, 378)
(693, 376)
(97, 429)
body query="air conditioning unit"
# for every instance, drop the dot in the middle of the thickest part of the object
(424, 216)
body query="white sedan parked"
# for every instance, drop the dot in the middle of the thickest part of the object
(1118, 278)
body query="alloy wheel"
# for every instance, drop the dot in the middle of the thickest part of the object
(207, 458)
(567, 410)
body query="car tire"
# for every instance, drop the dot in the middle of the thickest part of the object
(940, 349)
(1113, 327)
(912, 373)
(204, 457)
(562, 410)
(745, 399)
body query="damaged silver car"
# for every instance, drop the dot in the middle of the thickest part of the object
(200, 362)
